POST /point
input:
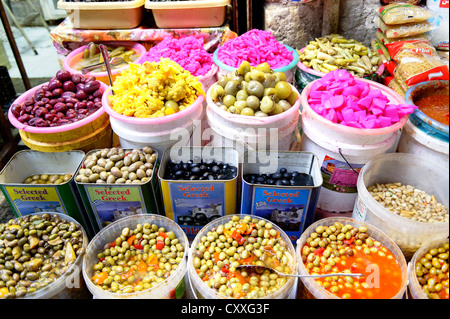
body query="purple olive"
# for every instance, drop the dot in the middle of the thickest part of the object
(76, 78)
(63, 75)
(80, 105)
(67, 94)
(57, 92)
(29, 101)
(98, 93)
(40, 122)
(41, 112)
(24, 118)
(49, 117)
(91, 86)
(54, 84)
(80, 86)
(60, 107)
(81, 95)
(69, 86)
(15, 110)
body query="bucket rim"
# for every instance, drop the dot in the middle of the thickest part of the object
(252, 120)
(151, 120)
(67, 62)
(391, 94)
(291, 65)
(422, 117)
(56, 129)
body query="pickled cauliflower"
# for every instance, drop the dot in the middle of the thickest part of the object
(154, 89)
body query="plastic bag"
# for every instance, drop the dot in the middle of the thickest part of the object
(416, 62)
(405, 30)
(440, 35)
(382, 37)
(401, 13)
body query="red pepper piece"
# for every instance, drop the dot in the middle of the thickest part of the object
(159, 245)
(319, 252)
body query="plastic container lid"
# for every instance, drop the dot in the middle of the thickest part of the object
(57, 129)
(164, 289)
(415, 288)
(408, 169)
(281, 69)
(119, 5)
(314, 288)
(202, 291)
(186, 4)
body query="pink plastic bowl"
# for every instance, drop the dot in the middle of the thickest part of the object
(57, 129)
(77, 54)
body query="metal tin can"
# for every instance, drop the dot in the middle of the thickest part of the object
(193, 204)
(27, 199)
(106, 203)
(290, 207)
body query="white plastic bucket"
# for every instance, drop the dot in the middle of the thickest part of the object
(338, 146)
(200, 290)
(415, 141)
(171, 288)
(251, 133)
(308, 288)
(415, 290)
(408, 169)
(160, 132)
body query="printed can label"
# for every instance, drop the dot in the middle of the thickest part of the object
(338, 176)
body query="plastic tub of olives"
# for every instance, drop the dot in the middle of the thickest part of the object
(173, 287)
(201, 290)
(63, 280)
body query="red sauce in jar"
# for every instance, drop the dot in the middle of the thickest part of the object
(435, 106)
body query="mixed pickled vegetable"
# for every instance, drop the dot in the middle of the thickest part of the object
(138, 259)
(246, 241)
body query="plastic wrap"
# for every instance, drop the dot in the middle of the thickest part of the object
(405, 30)
(401, 13)
(416, 62)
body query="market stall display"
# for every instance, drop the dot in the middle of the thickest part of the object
(54, 245)
(89, 56)
(407, 232)
(116, 182)
(333, 245)
(137, 257)
(428, 271)
(214, 274)
(207, 192)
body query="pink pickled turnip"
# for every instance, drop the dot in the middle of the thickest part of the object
(342, 99)
(256, 47)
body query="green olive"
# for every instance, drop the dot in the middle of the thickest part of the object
(293, 97)
(223, 80)
(171, 104)
(248, 111)
(257, 75)
(270, 80)
(253, 102)
(242, 95)
(233, 110)
(267, 104)
(217, 92)
(229, 100)
(277, 109)
(240, 105)
(232, 87)
(244, 68)
(280, 76)
(261, 114)
(284, 89)
(285, 105)
(264, 67)
(255, 88)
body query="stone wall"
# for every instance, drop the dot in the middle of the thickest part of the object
(296, 24)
